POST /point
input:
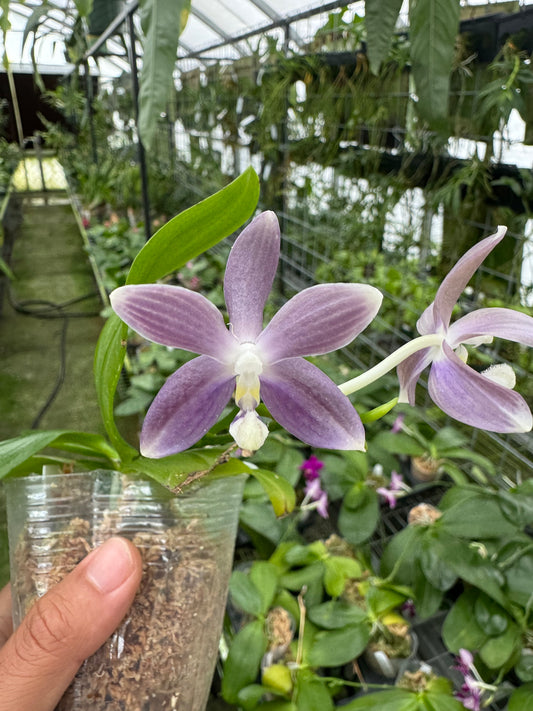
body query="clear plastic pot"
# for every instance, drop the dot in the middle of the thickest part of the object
(164, 652)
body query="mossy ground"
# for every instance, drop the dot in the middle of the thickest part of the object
(50, 265)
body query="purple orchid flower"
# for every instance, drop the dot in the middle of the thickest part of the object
(470, 694)
(311, 468)
(391, 494)
(246, 361)
(314, 492)
(485, 400)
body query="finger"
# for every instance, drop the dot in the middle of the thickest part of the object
(6, 620)
(67, 625)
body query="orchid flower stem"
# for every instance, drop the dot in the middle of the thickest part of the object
(390, 362)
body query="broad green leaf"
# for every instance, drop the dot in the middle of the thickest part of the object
(278, 489)
(439, 701)
(393, 700)
(435, 569)
(470, 565)
(428, 598)
(359, 514)
(337, 570)
(337, 647)
(521, 699)
(497, 650)
(433, 29)
(244, 594)
(174, 471)
(336, 614)
(196, 229)
(524, 666)
(251, 695)
(383, 598)
(244, 659)
(264, 576)
(400, 554)
(297, 579)
(490, 616)
(85, 443)
(108, 361)
(17, 450)
(162, 22)
(519, 577)
(256, 518)
(380, 22)
(311, 694)
(399, 443)
(460, 629)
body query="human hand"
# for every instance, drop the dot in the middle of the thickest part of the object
(65, 626)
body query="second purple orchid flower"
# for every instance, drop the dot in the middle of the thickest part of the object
(485, 400)
(245, 360)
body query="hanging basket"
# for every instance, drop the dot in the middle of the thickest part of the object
(163, 654)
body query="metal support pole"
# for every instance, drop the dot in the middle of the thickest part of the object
(90, 110)
(140, 147)
(285, 160)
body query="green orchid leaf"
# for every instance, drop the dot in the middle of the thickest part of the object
(497, 650)
(196, 229)
(178, 470)
(521, 699)
(380, 22)
(14, 452)
(393, 700)
(337, 570)
(86, 443)
(433, 28)
(162, 22)
(184, 237)
(244, 660)
(264, 576)
(359, 514)
(244, 594)
(108, 361)
(461, 629)
(524, 668)
(278, 490)
(333, 648)
(312, 693)
(336, 614)
(477, 516)
(490, 616)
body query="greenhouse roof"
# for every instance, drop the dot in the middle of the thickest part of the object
(215, 29)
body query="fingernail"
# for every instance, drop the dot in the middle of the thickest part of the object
(110, 565)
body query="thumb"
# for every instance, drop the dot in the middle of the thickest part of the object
(66, 626)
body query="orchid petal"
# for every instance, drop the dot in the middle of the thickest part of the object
(471, 398)
(454, 283)
(186, 407)
(250, 272)
(310, 406)
(501, 323)
(409, 371)
(319, 320)
(176, 317)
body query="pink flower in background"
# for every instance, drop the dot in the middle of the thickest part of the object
(311, 468)
(391, 494)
